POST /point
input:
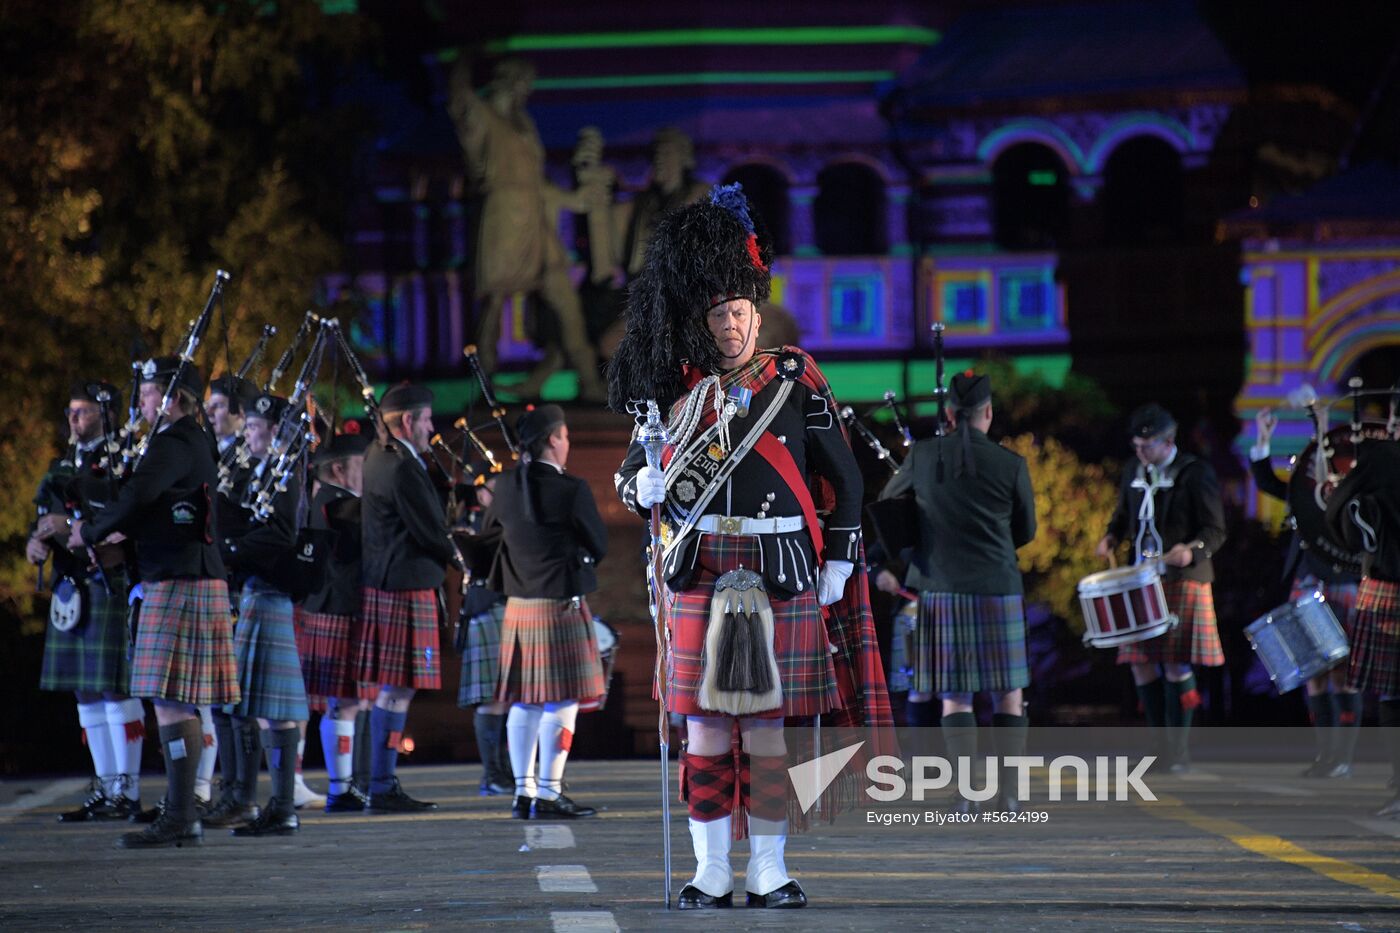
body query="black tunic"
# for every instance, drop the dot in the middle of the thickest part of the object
(403, 525)
(167, 507)
(552, 552)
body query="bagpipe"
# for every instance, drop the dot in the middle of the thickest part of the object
(1327, 459)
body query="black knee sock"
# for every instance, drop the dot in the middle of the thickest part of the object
(281, 748)
(1348, 728)
(249, 748)
(921, 714)
(228, 749)
(1152, 695)
(360, 764)
(1322, 712)
(1009, 739)
(1390, 730)
(488, 728)
(180, 744)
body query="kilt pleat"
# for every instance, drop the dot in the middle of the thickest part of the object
(1195, 639)
(95, 656)
(399, 643)
(481, 661)
(1375, 643)
(969, 643)
(184, 644)
(269, 672)
(549, 652)
(806, 673)
(1340, 596)
(328, 645)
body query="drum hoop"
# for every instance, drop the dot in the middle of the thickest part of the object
(1127, 638)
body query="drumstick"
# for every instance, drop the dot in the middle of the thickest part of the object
(1112, 561)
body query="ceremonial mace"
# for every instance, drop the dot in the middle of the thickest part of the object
(651, 434)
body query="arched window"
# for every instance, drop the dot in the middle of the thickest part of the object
(1143, 194)
(849, 212)
(1031, 192)
(767, 191)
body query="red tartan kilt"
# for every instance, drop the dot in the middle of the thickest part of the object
(549, 653)
(1195, 639)
(805, 667)
(184, 644)
(328, 645)
(1375, 642)
(399, 643)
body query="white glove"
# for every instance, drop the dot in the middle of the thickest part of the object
(832, 581)
(651, 486)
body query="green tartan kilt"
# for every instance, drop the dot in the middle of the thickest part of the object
(95, 656)
(481, 661)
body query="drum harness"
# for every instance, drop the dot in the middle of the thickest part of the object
(1150, 480)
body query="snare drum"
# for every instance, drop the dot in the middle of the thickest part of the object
(1298, 641)
(607, 654)
(1124, 605)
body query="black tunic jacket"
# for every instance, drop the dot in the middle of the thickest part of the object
(336, 509)
(403, 525)
(969, 525)
(553, 552)
(807, 427)
(167, 507)
(1369, 498)
(1187, 512)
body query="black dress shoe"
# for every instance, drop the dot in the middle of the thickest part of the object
(1317, 768)
(1391, 809)
(960, 804)
(692, 898)
(229, 812)
(275, 819)
(394, 800)
(788, 896)
(97, 806)
(520, 808)
(561, 808)
(164, 833)
(352, 801)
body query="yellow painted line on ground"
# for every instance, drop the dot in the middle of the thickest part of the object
(1275, 847)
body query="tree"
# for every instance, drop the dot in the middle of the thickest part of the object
(143, 144)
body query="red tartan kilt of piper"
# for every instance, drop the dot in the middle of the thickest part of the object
(328, 645)
(806, 672)
(399, 640)
(1195, 639)
(549, 653)
(1375, 640)
(184, 644)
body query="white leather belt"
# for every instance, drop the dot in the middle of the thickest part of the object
(734, 525)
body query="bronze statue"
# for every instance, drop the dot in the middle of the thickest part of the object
(518, 247)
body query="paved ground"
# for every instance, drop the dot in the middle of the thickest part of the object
(1235, 846)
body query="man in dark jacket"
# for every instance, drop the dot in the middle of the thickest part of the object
(406, 549)
(329, 619)
(90, 658)
(976, 507)
(184, 642)
(1170, 508)
(551, 539)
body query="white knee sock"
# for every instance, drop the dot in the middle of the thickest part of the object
(338, 744)
(522, 729)
(208, 755)
(556, 738)
(126, 724)
(93, 718)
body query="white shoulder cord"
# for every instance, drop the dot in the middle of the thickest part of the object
(1147, 512)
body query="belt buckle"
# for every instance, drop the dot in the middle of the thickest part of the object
(730, 525)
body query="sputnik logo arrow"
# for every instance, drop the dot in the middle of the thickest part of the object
(813, 777)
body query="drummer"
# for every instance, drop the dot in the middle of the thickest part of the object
(976, 507)
(1363, 513)
(1334, 705)
(1169, 509)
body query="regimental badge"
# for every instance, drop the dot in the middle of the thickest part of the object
(685, 491)
(182, 513)
(716, 452)
(791, 365)
(264, 404)
(148, 369)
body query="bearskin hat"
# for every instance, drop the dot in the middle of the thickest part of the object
(698, 255)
